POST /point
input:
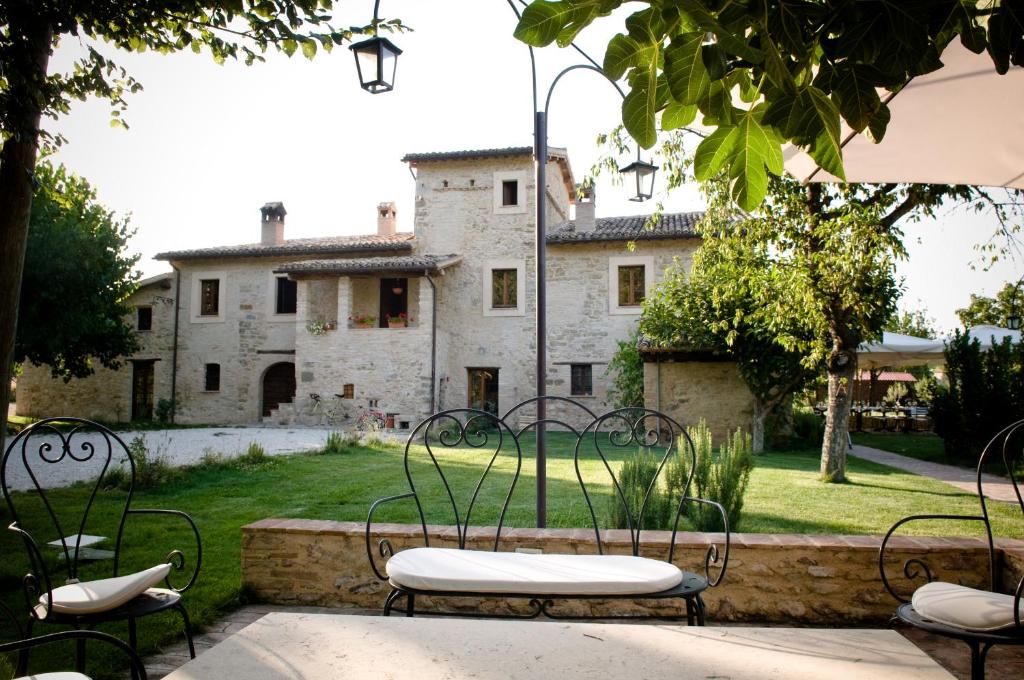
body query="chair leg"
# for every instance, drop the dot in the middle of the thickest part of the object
(188, 629)
(22, 666)
(133, 641)
(80, 655)
(410, 605)
(978, 654)
(388, 603)
(700, 611)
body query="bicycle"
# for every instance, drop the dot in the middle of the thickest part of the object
(320, 414)
(371, 421)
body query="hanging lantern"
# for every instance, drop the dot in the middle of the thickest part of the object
(376, 61)
(640, 178)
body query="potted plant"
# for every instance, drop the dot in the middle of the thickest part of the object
(317, 327)
(363, 320)
(398, 321)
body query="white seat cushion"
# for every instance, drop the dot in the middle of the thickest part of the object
(477, 571)
(963, 607)
(55, 676)
(91, 597)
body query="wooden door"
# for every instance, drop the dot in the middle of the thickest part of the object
(483, 389)
(142, 389)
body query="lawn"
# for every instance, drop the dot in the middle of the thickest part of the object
(785, 496)
(925, 446)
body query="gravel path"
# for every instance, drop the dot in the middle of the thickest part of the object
(179, 447)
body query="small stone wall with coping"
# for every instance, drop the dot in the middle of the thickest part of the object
(771, 578)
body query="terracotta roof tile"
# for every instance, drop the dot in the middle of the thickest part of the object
(671, 225)
(371, 265)
(553, 152)
(330, 245)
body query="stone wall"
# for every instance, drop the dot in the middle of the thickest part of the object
(107, 394)
(817, 580)
(690, 390)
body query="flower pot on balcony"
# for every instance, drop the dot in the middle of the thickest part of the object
(364, 325)
(396, 324)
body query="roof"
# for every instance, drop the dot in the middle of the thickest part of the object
(412, 264)
(631, 228)
(163, 280)
(556, 154)
(331, 245)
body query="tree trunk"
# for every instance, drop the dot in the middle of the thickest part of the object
(842, 367)
(29, 58)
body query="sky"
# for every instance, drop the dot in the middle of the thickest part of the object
(208, 144)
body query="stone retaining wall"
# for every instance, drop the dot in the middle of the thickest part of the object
(816, 580)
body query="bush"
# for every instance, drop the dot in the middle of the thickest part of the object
(985, 394)
(165, 410)
(636, 479)
(722, 478)
(896, 393)
(151, 469)
(254, 457)
(627, 387)
(340, 442)
(808, 430)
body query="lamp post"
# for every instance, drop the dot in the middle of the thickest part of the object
(642, 181)
(1013, 320)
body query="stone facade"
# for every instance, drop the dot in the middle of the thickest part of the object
(791, 579)
(107, 394)
(690, 390)
(475, 214)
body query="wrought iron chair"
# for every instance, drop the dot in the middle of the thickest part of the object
(86, 598)
(20, 644)
(666, 441)
(980, 618)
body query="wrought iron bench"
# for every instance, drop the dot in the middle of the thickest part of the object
(979, 618)
(541, 579)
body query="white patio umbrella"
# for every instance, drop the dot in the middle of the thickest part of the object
(987, 334)
(896, 349)
(962, 124)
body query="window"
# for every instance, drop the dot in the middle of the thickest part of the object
(509, 192)
(504, 293)
(483, 389)
(582, 380)
(211, 381)
(287, 292)
(631, 285)
(348, 391)
(144, 319)
(209, 297)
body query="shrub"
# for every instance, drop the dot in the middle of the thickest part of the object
(722, 478)
(340, 442)
(151, 469)
(636, 480)
(808, 430)
(165, 410)
(627, 388)
(254, 457)
(896, 393)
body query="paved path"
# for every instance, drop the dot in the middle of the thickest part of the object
(995, 487)
(183, 447)
(1003, 662)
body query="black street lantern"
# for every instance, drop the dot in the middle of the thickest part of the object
(1013, 321)
(640, 175)
(376, 60)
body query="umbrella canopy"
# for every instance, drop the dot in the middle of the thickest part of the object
(961, 124)
(896, 349)
(986, 334)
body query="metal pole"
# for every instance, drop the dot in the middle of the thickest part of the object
(540, 136)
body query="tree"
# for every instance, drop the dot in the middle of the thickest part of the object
(30, 29)
(702, 311)
(914, 322)
(628, 367)
(993, 311)
(77, 277)
(797, 67)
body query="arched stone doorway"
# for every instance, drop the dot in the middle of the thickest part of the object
(278, 386)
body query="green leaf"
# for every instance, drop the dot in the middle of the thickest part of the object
(623, 52)
(714, 58)
(811, 121)
(826, 150)
(688, 79)
(678, 115)
(542, 23)
(289, 45)
(878, 123)
(713, 152)
(855, 94)
(309, 49)
(732, 43)
(775, 67)
(639, 108)
(752, 151)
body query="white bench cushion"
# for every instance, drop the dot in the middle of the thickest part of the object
(477, 571)
(963, 607)
(90, 597)
(55, 676)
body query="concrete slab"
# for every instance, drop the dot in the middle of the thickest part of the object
(294, 646)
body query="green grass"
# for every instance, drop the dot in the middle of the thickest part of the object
(784, 496)
(927, 447)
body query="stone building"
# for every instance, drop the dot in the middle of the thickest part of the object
(259, 327)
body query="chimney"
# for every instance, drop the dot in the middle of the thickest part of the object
(272, 224)
(585, 200)
(386, 219)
